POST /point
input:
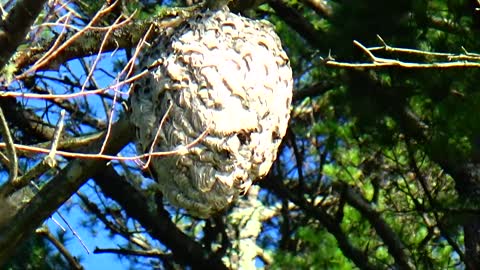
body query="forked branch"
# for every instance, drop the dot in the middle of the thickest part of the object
(440, 60)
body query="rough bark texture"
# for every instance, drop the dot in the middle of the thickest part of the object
(222, 73)
(57, 191)
(16, 26)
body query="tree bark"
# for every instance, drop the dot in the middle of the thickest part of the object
(16, 26)
(156, 221)
(57, 191)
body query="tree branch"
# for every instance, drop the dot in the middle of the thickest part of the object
(462, 61)
(58, 190)
(185, 250)
(144, 253)
(16, 26)
(61, 248)
(389, 237)
(293, 18)
(125, 36)
(356, 255)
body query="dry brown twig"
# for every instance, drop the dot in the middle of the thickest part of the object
(55, 50)
(129, 66)
(35, 149)
(465, 60)
(60, 45)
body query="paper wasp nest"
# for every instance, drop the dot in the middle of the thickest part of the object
(222, 73)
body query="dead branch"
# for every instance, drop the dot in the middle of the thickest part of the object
(466, 60)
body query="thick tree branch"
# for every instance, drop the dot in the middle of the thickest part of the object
(16, 26)
(58, 190)
(26, 119)
(293, 18)
(185, 250)
(132, 252)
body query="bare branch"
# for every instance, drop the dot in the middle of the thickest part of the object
(125, 35)
(60, 247)
(114, 227)
(156, 221)
(463, 61)
(57, 191)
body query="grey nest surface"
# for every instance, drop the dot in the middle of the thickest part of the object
(222, 74)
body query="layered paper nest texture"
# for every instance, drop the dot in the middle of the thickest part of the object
(224, 74)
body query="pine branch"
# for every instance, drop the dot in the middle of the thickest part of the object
(57, 191)
(383, 229)
(16, 26)
(156, 221)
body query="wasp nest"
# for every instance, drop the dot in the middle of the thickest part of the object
(224, 74)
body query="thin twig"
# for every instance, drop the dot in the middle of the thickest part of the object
(450, 56)
(110, 122)
(130, 65)
(11, 153)
(74, 95)
(114, 226)
(74, 232)
(60, 247)
(180, 150)
(464, 61)
(157, 135)
(57, 134)
(52, 53)
(48, 162)
(102, 46)
(37, 188)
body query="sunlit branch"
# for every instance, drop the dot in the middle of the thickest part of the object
(74, 95)
(181, 149)
(460, 61)
(55, 50)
